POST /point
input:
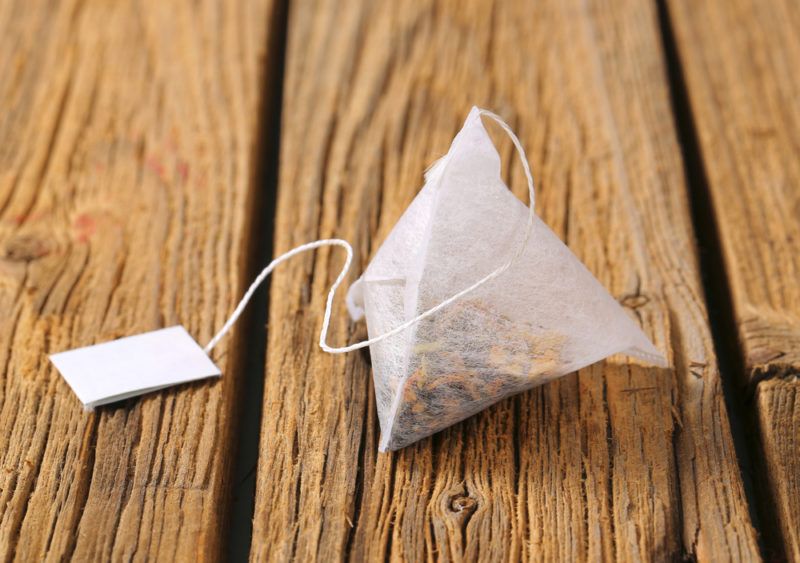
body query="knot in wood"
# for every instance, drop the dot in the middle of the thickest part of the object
(25, 248)
(635, 301)
(463, 504)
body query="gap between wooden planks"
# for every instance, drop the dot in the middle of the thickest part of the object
(618, 461)
(127, 141)
(741, 61)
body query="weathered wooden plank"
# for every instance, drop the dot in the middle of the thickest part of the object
(126, 161)
(778, 404)
(618, 461)
(740, 63)
(739, 60)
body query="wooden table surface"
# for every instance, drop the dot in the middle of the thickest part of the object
(155, 155)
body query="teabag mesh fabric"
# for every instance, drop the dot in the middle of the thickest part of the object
(544, 317)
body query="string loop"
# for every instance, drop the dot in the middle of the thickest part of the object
(323, 336)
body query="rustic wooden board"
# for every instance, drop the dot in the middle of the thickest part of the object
(740, 60)
(779, 420)
(743, 92)
(127, 141)
(618, 461)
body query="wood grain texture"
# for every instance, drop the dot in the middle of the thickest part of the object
(779, 418)
(126, 156)
(619, 461)
(740, 60)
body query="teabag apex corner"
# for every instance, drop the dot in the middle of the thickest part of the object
(544, 317)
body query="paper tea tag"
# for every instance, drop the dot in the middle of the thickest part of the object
(113, 371)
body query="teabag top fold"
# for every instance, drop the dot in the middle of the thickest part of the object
(545, 316)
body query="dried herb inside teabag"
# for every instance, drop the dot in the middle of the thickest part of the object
(446, 386)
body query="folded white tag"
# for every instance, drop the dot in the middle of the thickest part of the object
(134, 365)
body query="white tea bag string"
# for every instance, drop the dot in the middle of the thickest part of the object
(344, 244)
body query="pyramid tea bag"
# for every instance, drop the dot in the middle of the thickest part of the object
(544, 316)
